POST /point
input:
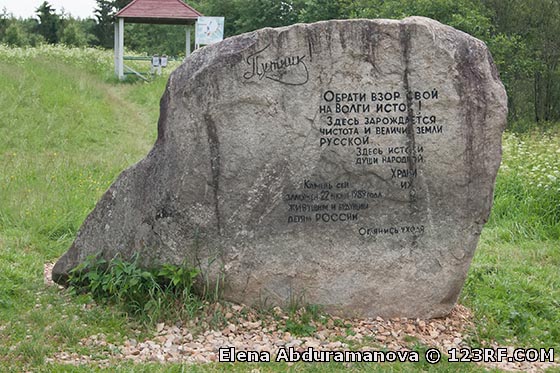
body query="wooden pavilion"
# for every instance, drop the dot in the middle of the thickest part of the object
(174, 12)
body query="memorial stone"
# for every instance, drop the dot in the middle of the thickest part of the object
(347, 163)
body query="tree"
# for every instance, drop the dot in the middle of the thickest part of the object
(529, 55)
(228, 9)
(466, 15)
(119, 4)
(320, 10)
(256, 14)
(15, 35)
(30, 27)
(4, 22)
(49, 22)
(155, 39)
(542, 26)
(103, 30)
(73, 34)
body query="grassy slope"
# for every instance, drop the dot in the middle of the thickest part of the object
(67, 130)
(64, 136)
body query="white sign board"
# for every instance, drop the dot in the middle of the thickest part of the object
(209, 30)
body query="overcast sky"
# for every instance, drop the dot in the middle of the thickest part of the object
(26, 8)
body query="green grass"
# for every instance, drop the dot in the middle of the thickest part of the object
(272, 367)
(66, 132)
(68, 129)
(515, 292)
(65, 135)
(527, 197)
(514, 281)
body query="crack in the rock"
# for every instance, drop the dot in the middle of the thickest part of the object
(214, 146)
(411, 141)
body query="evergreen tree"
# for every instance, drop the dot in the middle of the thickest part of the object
(103, 30)
(119, 4)
(4, 22)
(49, 22)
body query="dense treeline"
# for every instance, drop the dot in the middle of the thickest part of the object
(522, 34)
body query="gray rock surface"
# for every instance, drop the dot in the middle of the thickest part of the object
(344, 163)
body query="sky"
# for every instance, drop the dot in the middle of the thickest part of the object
(26, 8)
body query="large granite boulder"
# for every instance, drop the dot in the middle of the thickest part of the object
(344, 163)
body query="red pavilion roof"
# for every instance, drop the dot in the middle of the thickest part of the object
(159, 11)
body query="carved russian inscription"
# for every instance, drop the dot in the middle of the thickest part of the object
(350, 163)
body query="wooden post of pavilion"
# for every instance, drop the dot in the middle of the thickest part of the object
(171, 12)
(119, 48)
(188, 42)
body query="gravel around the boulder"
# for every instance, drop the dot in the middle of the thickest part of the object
(245, 329)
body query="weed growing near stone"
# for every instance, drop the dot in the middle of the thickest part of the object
(147, 294)
(302, 322)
